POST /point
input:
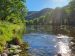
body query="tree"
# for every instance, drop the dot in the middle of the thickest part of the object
(12, 21)
(72, 12)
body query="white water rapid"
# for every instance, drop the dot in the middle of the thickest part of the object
(63, 45)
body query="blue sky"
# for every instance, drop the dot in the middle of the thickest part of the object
(36, 5)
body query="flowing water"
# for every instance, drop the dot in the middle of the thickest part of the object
(63, 45)
(50, 40)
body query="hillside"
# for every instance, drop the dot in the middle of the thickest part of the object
(55, 16)
(35, 14)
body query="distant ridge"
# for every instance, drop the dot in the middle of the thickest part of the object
(35, 14)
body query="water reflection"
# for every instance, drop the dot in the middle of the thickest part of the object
(39, 28)
(52, 30)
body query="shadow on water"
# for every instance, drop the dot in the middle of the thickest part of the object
(43, 39)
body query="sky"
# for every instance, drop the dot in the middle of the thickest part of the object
(36, 5)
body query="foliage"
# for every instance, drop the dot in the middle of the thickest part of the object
(70, 9)
(52, 16)
(57, 16)
(12, 21)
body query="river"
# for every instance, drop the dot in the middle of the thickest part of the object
(47, 40)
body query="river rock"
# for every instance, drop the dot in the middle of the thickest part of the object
(15, 46)
(16, 55)
(17, 51)
(11, 51)
(4, 54)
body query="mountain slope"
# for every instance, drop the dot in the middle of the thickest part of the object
(37, 14)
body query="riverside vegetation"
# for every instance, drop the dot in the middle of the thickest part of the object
(12, 27)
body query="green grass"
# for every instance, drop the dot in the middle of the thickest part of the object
(7, 32)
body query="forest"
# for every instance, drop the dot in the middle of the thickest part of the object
(58, 16)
